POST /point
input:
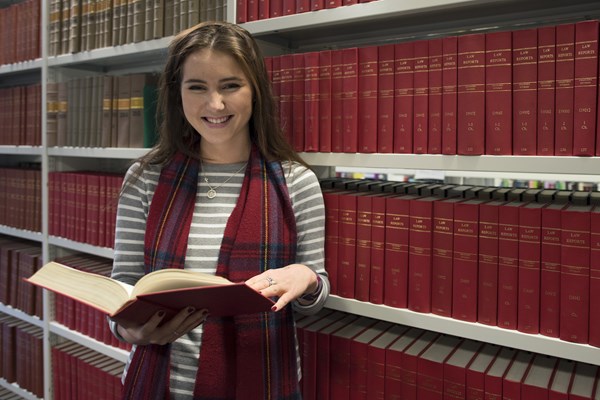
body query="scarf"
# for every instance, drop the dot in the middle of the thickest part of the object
(243, 357)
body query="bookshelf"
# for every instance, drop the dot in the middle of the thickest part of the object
(376, 22)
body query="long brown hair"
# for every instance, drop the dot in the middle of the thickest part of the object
(176, 134)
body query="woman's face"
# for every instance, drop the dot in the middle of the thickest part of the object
(217, 99)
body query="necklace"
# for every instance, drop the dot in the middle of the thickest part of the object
(212, 190)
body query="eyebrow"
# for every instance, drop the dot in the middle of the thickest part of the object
(229, 79)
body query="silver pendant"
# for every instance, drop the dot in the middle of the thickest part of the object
(211, 194)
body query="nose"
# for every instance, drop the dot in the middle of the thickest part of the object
(216, 101)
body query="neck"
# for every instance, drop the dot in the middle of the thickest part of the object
(224, 154)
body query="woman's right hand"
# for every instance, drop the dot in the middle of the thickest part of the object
(151, 333)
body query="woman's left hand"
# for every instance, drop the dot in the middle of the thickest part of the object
(288, 283)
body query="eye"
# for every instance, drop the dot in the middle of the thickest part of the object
(231, 86)
(196, 87)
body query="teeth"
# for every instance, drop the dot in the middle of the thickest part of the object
(216, 120)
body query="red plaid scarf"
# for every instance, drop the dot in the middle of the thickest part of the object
(244, 357)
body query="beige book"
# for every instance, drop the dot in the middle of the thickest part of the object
(54, 30)
(61, 117)
(149, 20)
(193, 12)
(107, 100)
(75, 27)
(142, 110)
(158, 29)
(52, 113)
(123, 105)
(65, 26)
(168, 18)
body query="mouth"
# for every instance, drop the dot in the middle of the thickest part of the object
(217, 120)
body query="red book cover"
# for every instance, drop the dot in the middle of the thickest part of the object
(316, 5)
(498, 93)
(442, 237)
(584, 382)
(385, 98)
(264, 11)
(575, 274)
(455, 369)
(252, 10)
(331, 200)
(347, 245)
(421, 96)
(92, 210)
(298, 88)
(340, 360)
(393, 363)
(359, 348)
(302, 6)
(397, 222)
(301, 324)
(350, 99)
(585, 88)
(286, 95)
(241, 12)
(525, 92)
(409, 364)
(528, 308)
(337, 89)
(434, 124)
(471, 94)
(550, 269)
(333, 3)
(487, 291)
(449, 94)
(403, 97)
(367, 99)
(495, 373)
(289, 7)
(364, 217)
(324, 101)
(537, 381)
(512, 382)
(430, 367)
(376, 290)
(508, 259)
(594, 338)
(561, 380)
(311, 101)
(376, 360)
(565, 74)
(419, 254)
(476, 370)
(546, 90)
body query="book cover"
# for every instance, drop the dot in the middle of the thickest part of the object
(367, 99)
(525, 56)
(561, 380)
(376, 360)
(546, 90)
(565, 73)
(350, 100)
(311, 101)
(537, 381)
(584, 382)
(286, 95)
(393, 363)
(434, 124)
(331, 200)
(324, 101)
(385, 98)
(337, 112)
(513, 379)
(430, 367)
(347, 245)
(378, 240)
(409, 364)
(364, 216)
(449, 94)
(476, 370)
(403, 97)
(297, 113)
(494, 376)
(487, 291)
(594, 331)
(455, 369)
(154, 293)
(421, 96)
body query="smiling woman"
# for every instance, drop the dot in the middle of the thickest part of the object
(223, 193)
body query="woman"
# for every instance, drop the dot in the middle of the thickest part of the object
(221, 192)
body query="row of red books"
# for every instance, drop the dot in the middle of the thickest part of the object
(83, 206)
(20, 115)
(20, 198)
(81, 317)
(522, 92)
(253, 10)
(349, 357)
(20, 31)
(19, 259)
(22, 357)
(512, 258)
(81, 373)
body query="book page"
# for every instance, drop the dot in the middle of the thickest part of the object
(169, 279)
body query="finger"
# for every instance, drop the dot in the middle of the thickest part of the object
(282, 302)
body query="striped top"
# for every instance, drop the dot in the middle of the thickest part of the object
(206, 232)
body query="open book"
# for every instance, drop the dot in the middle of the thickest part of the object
(169, 290)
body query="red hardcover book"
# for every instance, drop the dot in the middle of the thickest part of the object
(430, 367)
(350, 99)
(397, 230)
(561, 380)
(434, 124)
(471, 94)
(442, 238)
(376, 290)
(550, 270)
(347, 245)
(455, 369)
(316, 5)
(476, 370)
(359, 348)
(584, 382)
(487, 291)
(376, 360)
(337, 89)
(367, 99)
(565, 73)
(585, 88)
(289, 7)
(264, 11)
(275, 8)
(331, 200)
(546, 90)
(92, 210)
(508, 259)
(419, 254)
(311, 101)
(449, 94)
(393, 363)
(525, 91)
(513, 379)
(298, 87)
(286, 95)
(340, 360)
(575, 274)
(385, 98)
(302, 6)
(421, 96)
(465, 260)
(498, 93)
(252, 10)
(537, 381)
(302, 323)
(594, 339)
(324, 101)
(409, 364)
(528, 308)
(495, 373)
(333, 3)
(403, 97)
(362, 280)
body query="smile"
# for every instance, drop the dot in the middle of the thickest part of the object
(219, 120)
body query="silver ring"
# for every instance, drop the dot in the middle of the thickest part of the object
(271, 281)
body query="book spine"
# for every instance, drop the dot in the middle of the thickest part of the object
(396, 252)
(525, 92)
(385, 99)
(594, 331)
(403, 97)
(331, 200)
(419, 256)
(508, 257)
(449, 94)
(377, 278)
(546, 90)
(337, 112)
(350, 100)
(324, 101)
(298, 102)
(434, 124)
(421, 96)
(347, 246)
(367, 99)
(487, 293)
(363, 247)
(311, 102)
(565, 72)
(550, 271)
(441, 258)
